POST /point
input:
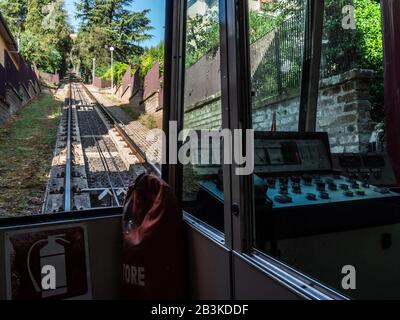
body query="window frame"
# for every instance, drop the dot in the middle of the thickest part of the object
(236, 114)
(243, 235)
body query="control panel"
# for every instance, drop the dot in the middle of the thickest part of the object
(375, 168)
(296, 169)
(310, 190)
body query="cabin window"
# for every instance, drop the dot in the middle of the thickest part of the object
(202, 120)
(328, 212)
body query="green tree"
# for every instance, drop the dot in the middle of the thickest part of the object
(150, 57)
(34, 15)
(15, 13)
(119, 70)
(47, 59)
(106, 23)
(370, 46)
(43, 28)
(84, 12)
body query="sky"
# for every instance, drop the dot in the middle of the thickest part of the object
(156, 16)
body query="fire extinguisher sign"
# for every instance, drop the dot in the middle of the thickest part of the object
(48, 263)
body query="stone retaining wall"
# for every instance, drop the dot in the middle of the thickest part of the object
(343, 111)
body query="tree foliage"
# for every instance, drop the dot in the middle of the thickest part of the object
(119, 70)
(15, 13)
(106, 23)
(203, 31)
(150, 57)
(43, 29)
(359, 48)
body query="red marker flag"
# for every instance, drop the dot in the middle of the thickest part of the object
(273, 127)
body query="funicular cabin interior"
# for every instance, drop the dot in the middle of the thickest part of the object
(322, 197)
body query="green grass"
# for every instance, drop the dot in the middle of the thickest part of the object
(26, 151)
(148, 121)
(129, 110)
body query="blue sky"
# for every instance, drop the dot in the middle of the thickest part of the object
(156, 15)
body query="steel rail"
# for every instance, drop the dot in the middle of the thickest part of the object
(102, 157)
(109, 152)
(67, 186)
(127, 139)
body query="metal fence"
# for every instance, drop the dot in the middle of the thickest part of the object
(279, 70)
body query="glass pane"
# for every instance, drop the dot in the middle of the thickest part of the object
(59, 150)
(202, 179)
(330, 210)
(276, 51)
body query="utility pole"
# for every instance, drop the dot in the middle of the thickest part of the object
(94, 70)
(112, 69)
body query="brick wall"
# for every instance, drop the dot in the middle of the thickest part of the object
(100, 83)
(343, 111)
(151, 104)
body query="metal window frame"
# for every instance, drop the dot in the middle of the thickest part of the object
(236, 114)
(174, 98)
(241, 108)
(241, 117)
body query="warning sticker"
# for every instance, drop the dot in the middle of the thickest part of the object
(48, 263)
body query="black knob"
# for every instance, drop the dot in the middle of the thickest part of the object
(284, 190)
(324, 195)
(360, 192)
(349, 193)
(344, 186)
(296, 188)
(333, 186)
(283, 199)
(311, 197)
(321, 186)
(355, 185)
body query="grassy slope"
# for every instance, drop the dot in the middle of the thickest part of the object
(26, 151)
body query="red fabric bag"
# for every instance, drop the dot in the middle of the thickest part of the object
(153, 248)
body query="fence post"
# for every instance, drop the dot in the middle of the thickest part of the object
(278, 61)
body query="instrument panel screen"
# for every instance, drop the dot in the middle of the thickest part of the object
(291, 155)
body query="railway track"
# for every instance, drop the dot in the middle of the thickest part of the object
(119, 127)
(95, 159)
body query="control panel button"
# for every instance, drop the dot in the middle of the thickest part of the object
(284, 190)
(296, 188)
(283, 199)
(333, 186)
(349, 193)
(321, 186)
(344, 186)
(360, 192)
(311, 197)
(355, 185)
(324, 195)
